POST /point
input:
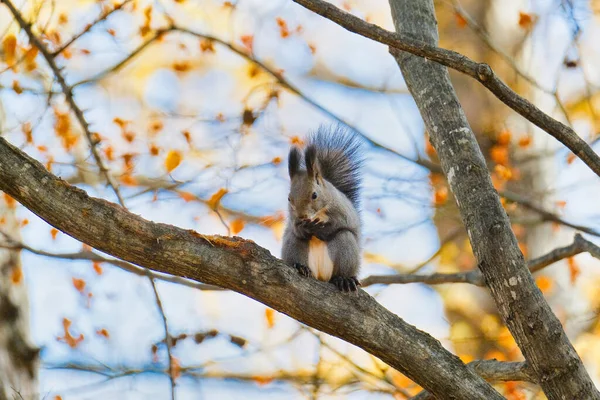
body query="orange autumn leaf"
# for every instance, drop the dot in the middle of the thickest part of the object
(57, 397)
(154, 150)
(499, 154)
(175, 368)
(574, 270)
(503, 138)
(276, 160)
(503, 172)
(68, 338)
(570, 158)
(79, 284)
(283, 28)
(215, 199)
(25, 222)
(16, 275)
(525, 20)
(182, 66)
(561, 204)
(262, 380)
(187, 196)
(236, 226)
(525, 141)
(207, 46)
(53, 233)
(9, 201)
(9, 45)
(27, 131)
(248, 41)
(270, 317)
(17, 87)
(461, 22)
(103, 332)
(98, 268)
(429, 149)
(296, 140)
(29, 59)
(544, 283)
(128, 180)
(172, 160)
(441, 196)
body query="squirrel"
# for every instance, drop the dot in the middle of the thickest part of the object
(322, 236)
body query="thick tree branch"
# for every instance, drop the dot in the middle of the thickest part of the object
(239, 265)
(406, 42)
(520, 303)
(67, 91)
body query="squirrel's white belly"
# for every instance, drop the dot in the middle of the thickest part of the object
(319, 261)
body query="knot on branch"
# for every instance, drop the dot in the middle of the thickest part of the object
(484, 72)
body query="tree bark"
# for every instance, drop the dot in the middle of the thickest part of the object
(243, 266)
(18, 357)
(522, 306)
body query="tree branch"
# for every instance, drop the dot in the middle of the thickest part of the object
(239, 265)
(405, 42)
(494, 371)
(475, 277)
(68, 92)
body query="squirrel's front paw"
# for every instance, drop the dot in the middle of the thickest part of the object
(303, 269)
(346, 284)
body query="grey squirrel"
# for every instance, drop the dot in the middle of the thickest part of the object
(322, 236)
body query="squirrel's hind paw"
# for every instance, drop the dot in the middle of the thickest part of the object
(346, 284)
(303, 269)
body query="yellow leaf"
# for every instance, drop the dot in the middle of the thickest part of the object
(236, 226)
(9, 45)
(173, 160)
(544, 283)
(215, 199)
(574, 270)
(270, 316)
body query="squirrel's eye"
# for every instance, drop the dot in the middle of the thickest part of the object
(289, 199)
(314, 195)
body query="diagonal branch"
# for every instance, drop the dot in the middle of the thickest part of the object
(480, 71)
(240, 265)
(68, 92)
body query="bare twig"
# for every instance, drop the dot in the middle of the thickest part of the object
(167, 336)
(68, 92)
(89, 27)
(579, 245)
(480, 71)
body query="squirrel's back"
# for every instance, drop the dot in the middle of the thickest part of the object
(340, 157)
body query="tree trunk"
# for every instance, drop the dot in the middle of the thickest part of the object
(520, 303)
(18, 357)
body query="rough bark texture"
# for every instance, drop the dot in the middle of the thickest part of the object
(18, 357)
(522, 306)
(243, 266)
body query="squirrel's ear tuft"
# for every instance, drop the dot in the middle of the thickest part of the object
(294, 161)
(312, 164)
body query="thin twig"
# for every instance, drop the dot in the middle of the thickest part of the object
(68, 92)
(89, 27)
(167, 336)
(474, 277)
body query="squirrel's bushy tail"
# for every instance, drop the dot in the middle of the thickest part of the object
(340, 156)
